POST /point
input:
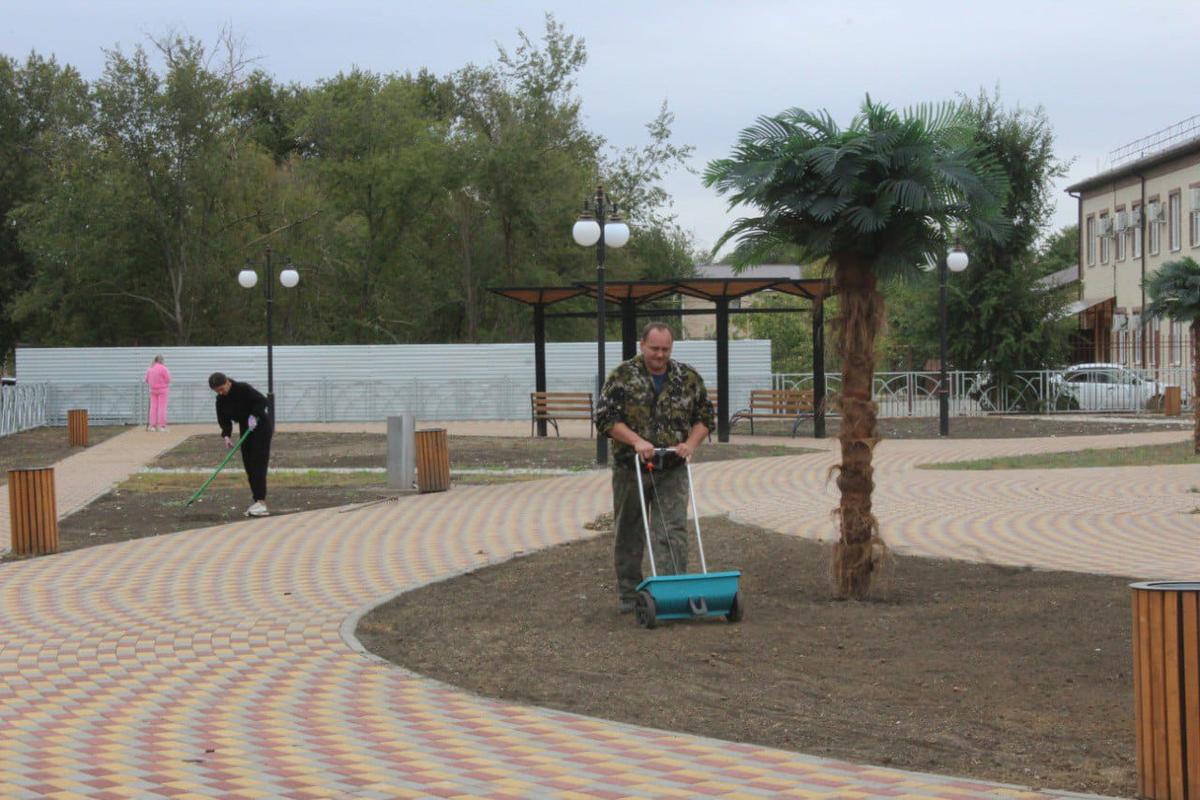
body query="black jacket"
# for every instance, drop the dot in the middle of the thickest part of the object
(238, 404)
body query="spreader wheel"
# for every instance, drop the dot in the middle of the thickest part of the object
(736, 610)
(646, 611)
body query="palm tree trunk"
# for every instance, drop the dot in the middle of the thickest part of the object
(1195, 328)
(858, 550)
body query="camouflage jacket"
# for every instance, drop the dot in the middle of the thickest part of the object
(628, 397)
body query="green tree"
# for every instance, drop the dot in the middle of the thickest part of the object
(527, 162)
(155, 198)
(380, 161)
(1174, 293)
(874, 199)
(41, 105)
(1059, 251)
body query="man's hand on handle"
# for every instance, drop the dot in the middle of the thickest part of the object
(228, 442)
(251, 422)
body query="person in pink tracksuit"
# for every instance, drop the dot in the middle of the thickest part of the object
(158, 378)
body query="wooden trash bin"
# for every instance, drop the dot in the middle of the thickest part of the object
(77, 427)
(1166, 688)
(32, 511)
(432, 460)
(1172, 401)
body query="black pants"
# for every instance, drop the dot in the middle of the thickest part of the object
(256, 454)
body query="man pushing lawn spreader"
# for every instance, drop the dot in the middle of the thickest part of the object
(657, 412)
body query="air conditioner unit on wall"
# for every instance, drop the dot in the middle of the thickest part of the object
(1195, 193)
(1135, 218)
(1122, 221)
(1155, 212)
(1104, 226)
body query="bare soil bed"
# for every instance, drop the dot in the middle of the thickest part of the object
(973, 670)
(42, 447)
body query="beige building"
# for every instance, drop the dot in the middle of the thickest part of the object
(704, 326)
(1134, 217)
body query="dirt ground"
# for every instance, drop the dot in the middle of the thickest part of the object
(42, 447)
(140, 508)
(975, 670)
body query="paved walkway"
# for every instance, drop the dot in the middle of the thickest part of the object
(221, 662)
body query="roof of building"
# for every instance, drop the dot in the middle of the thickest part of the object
(1133, 168)
(1063, 277)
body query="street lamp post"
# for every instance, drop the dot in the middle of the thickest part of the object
(603, 228)
(248, 278)
(954, 261)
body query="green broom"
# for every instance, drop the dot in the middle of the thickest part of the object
(220, 467)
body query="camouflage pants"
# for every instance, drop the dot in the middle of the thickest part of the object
(666, 504)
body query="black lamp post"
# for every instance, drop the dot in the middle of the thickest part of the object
(603, 228)
(248, 278)
(954, 261)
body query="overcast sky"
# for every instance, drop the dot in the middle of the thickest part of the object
(1105, 72)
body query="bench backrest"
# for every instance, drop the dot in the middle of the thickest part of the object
(561, 404)
(781, 401)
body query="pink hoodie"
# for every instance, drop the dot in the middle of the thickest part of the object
(159, 378)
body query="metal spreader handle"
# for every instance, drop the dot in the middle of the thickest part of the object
(646, 518)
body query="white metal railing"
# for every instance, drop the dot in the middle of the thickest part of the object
(897, 394)
(22, 406)
(915, 394)
(1156, 142)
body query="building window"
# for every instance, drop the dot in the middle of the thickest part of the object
(1105, 236)
(1135, 233)
(1091, 241)
(1153, 228)
(1194, 217)
(1176, 354)
(1175, 221)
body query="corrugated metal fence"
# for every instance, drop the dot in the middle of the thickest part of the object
(351, 382)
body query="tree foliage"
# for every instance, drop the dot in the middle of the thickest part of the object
(131, 202)
(874, 199)
(1174, 293)
(1000, 317)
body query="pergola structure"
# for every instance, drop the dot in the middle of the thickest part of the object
(628, 296)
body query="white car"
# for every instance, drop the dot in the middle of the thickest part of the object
(1105, 387)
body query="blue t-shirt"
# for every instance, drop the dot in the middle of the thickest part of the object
(659, 382)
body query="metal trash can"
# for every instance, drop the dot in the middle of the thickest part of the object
(433, 460)
(1166, 688)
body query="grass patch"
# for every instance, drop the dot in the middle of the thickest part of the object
(1144, 456)
(233, 479)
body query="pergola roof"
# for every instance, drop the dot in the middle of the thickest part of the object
(720, 291)
(639, 292)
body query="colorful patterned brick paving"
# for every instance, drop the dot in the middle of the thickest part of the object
(219, 663)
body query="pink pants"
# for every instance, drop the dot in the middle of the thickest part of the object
(158, 409)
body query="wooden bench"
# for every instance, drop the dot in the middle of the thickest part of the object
(553, 406)
(793, 404)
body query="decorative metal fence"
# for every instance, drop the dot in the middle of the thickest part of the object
(22, 406)
(1102, 389)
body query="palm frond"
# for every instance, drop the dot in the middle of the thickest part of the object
(1174, 291)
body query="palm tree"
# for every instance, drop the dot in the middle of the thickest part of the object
(876, 199)
(1174, 291)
